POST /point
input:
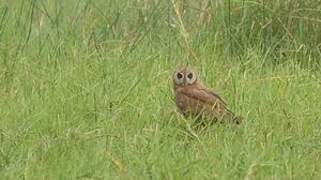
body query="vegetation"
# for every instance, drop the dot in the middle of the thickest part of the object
(86, 92)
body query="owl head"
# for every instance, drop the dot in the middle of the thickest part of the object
(184, 77)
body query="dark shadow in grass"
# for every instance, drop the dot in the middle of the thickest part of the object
(194, 127)
(200, 123)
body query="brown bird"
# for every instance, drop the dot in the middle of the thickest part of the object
(194, 99)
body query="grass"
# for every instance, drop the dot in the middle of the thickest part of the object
(86, 92)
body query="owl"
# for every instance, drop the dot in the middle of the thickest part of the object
(194, 99)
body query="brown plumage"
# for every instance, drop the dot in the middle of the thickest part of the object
(194, 99)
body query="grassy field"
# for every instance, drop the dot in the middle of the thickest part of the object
(86, 90)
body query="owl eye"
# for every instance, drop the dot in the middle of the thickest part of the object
(179, 75)
(190, 78)
(178, 78)
(190, 75)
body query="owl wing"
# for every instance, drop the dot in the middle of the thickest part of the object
(215, 96)
(212, 102)
(205, 96)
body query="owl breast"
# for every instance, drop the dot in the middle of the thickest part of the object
(187, 105)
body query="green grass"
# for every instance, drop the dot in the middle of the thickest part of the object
(86, 90)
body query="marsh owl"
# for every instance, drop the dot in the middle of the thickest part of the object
(194, 99)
